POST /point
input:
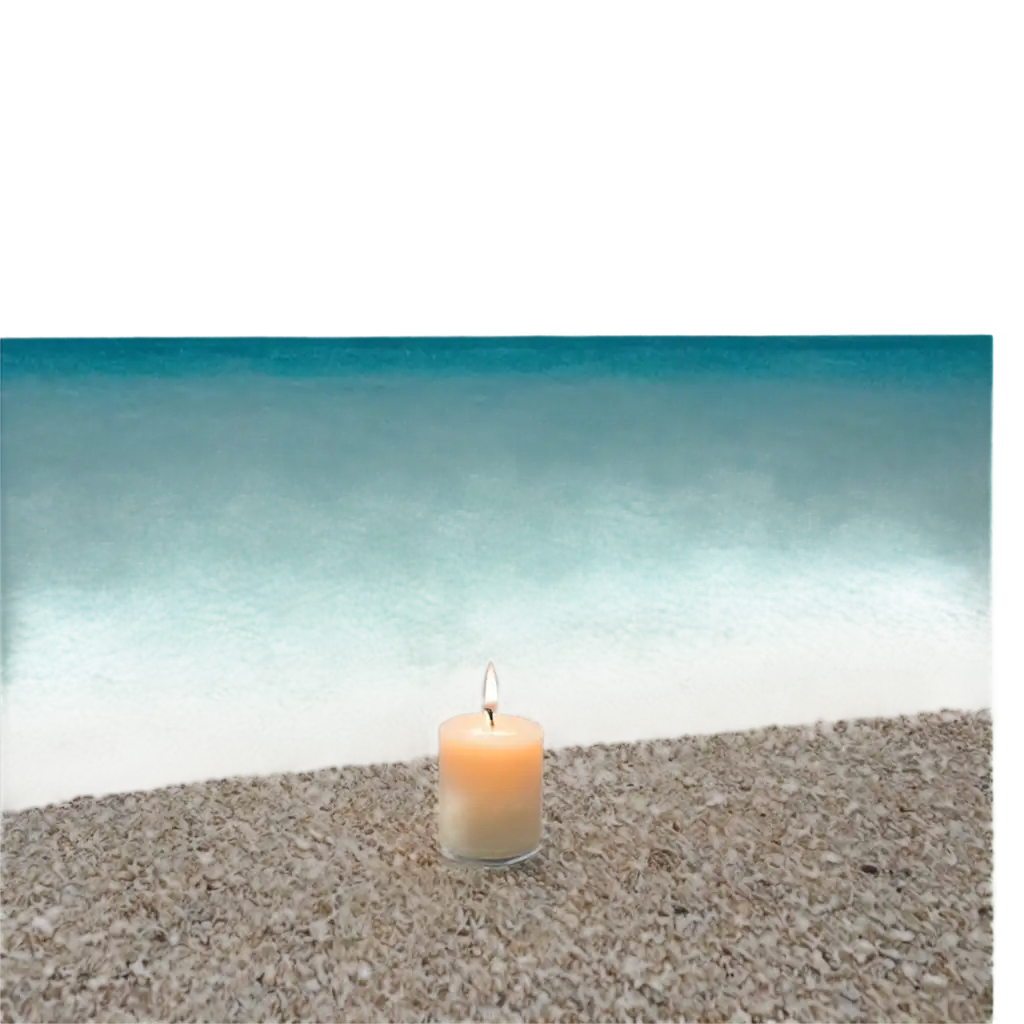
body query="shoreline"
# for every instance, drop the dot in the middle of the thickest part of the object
(23, 803)
(840, 871)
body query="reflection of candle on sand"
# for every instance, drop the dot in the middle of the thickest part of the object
(490, 768)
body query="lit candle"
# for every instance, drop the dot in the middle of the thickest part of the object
(491, 767)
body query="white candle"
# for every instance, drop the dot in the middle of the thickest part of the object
(491, 769)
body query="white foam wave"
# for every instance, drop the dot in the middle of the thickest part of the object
(127, 732)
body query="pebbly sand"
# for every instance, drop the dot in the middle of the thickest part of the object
(824, 873)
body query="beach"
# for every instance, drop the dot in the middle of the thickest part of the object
(813, 873)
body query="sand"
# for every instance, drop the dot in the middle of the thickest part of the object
(837, 872)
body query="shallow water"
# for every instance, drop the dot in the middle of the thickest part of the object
(238, 557)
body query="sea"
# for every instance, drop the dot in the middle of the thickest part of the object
(247, 556)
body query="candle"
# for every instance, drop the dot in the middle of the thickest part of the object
(490, 767)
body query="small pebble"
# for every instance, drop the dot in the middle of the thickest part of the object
(42, 924)
(863, 950)
(909, 970)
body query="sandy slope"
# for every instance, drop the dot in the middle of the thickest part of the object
(832, 873)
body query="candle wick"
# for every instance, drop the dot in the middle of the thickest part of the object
(490, 715)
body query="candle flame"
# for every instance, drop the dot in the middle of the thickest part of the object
(490, 691)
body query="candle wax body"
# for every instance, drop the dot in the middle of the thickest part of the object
(490, 786)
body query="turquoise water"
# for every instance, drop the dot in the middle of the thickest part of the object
(247, 555)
